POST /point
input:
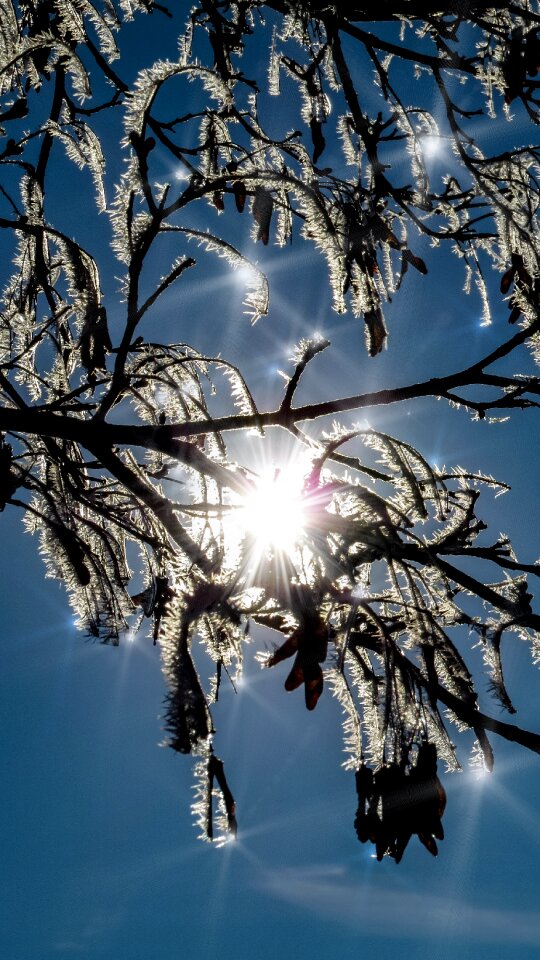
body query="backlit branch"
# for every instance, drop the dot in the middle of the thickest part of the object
(128, 451)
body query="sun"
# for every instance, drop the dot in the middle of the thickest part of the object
(432, 146)
(272, 513)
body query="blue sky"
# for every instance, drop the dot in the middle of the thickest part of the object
(101, 859)
(100, 856)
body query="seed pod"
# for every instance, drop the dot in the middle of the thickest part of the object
(317, 137)
(429, 798)
(416, 262)
(311, 641)
(287, 649)
(313, 684)
(388, 783)
(239, 190)
(364, 791)
(217, 200)
(263, 205)
(295, 678)
(376, 330)
(507, 279)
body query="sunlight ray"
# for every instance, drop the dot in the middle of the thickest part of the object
(524, 814)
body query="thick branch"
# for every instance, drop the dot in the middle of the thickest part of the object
(160, 506)
(167, 439)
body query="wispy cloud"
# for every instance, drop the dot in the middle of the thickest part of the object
(69, 946)
(400, 913)
(90, 932)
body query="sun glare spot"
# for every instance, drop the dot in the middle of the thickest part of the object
(431, 146)
(480, 776)
(245, 274)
